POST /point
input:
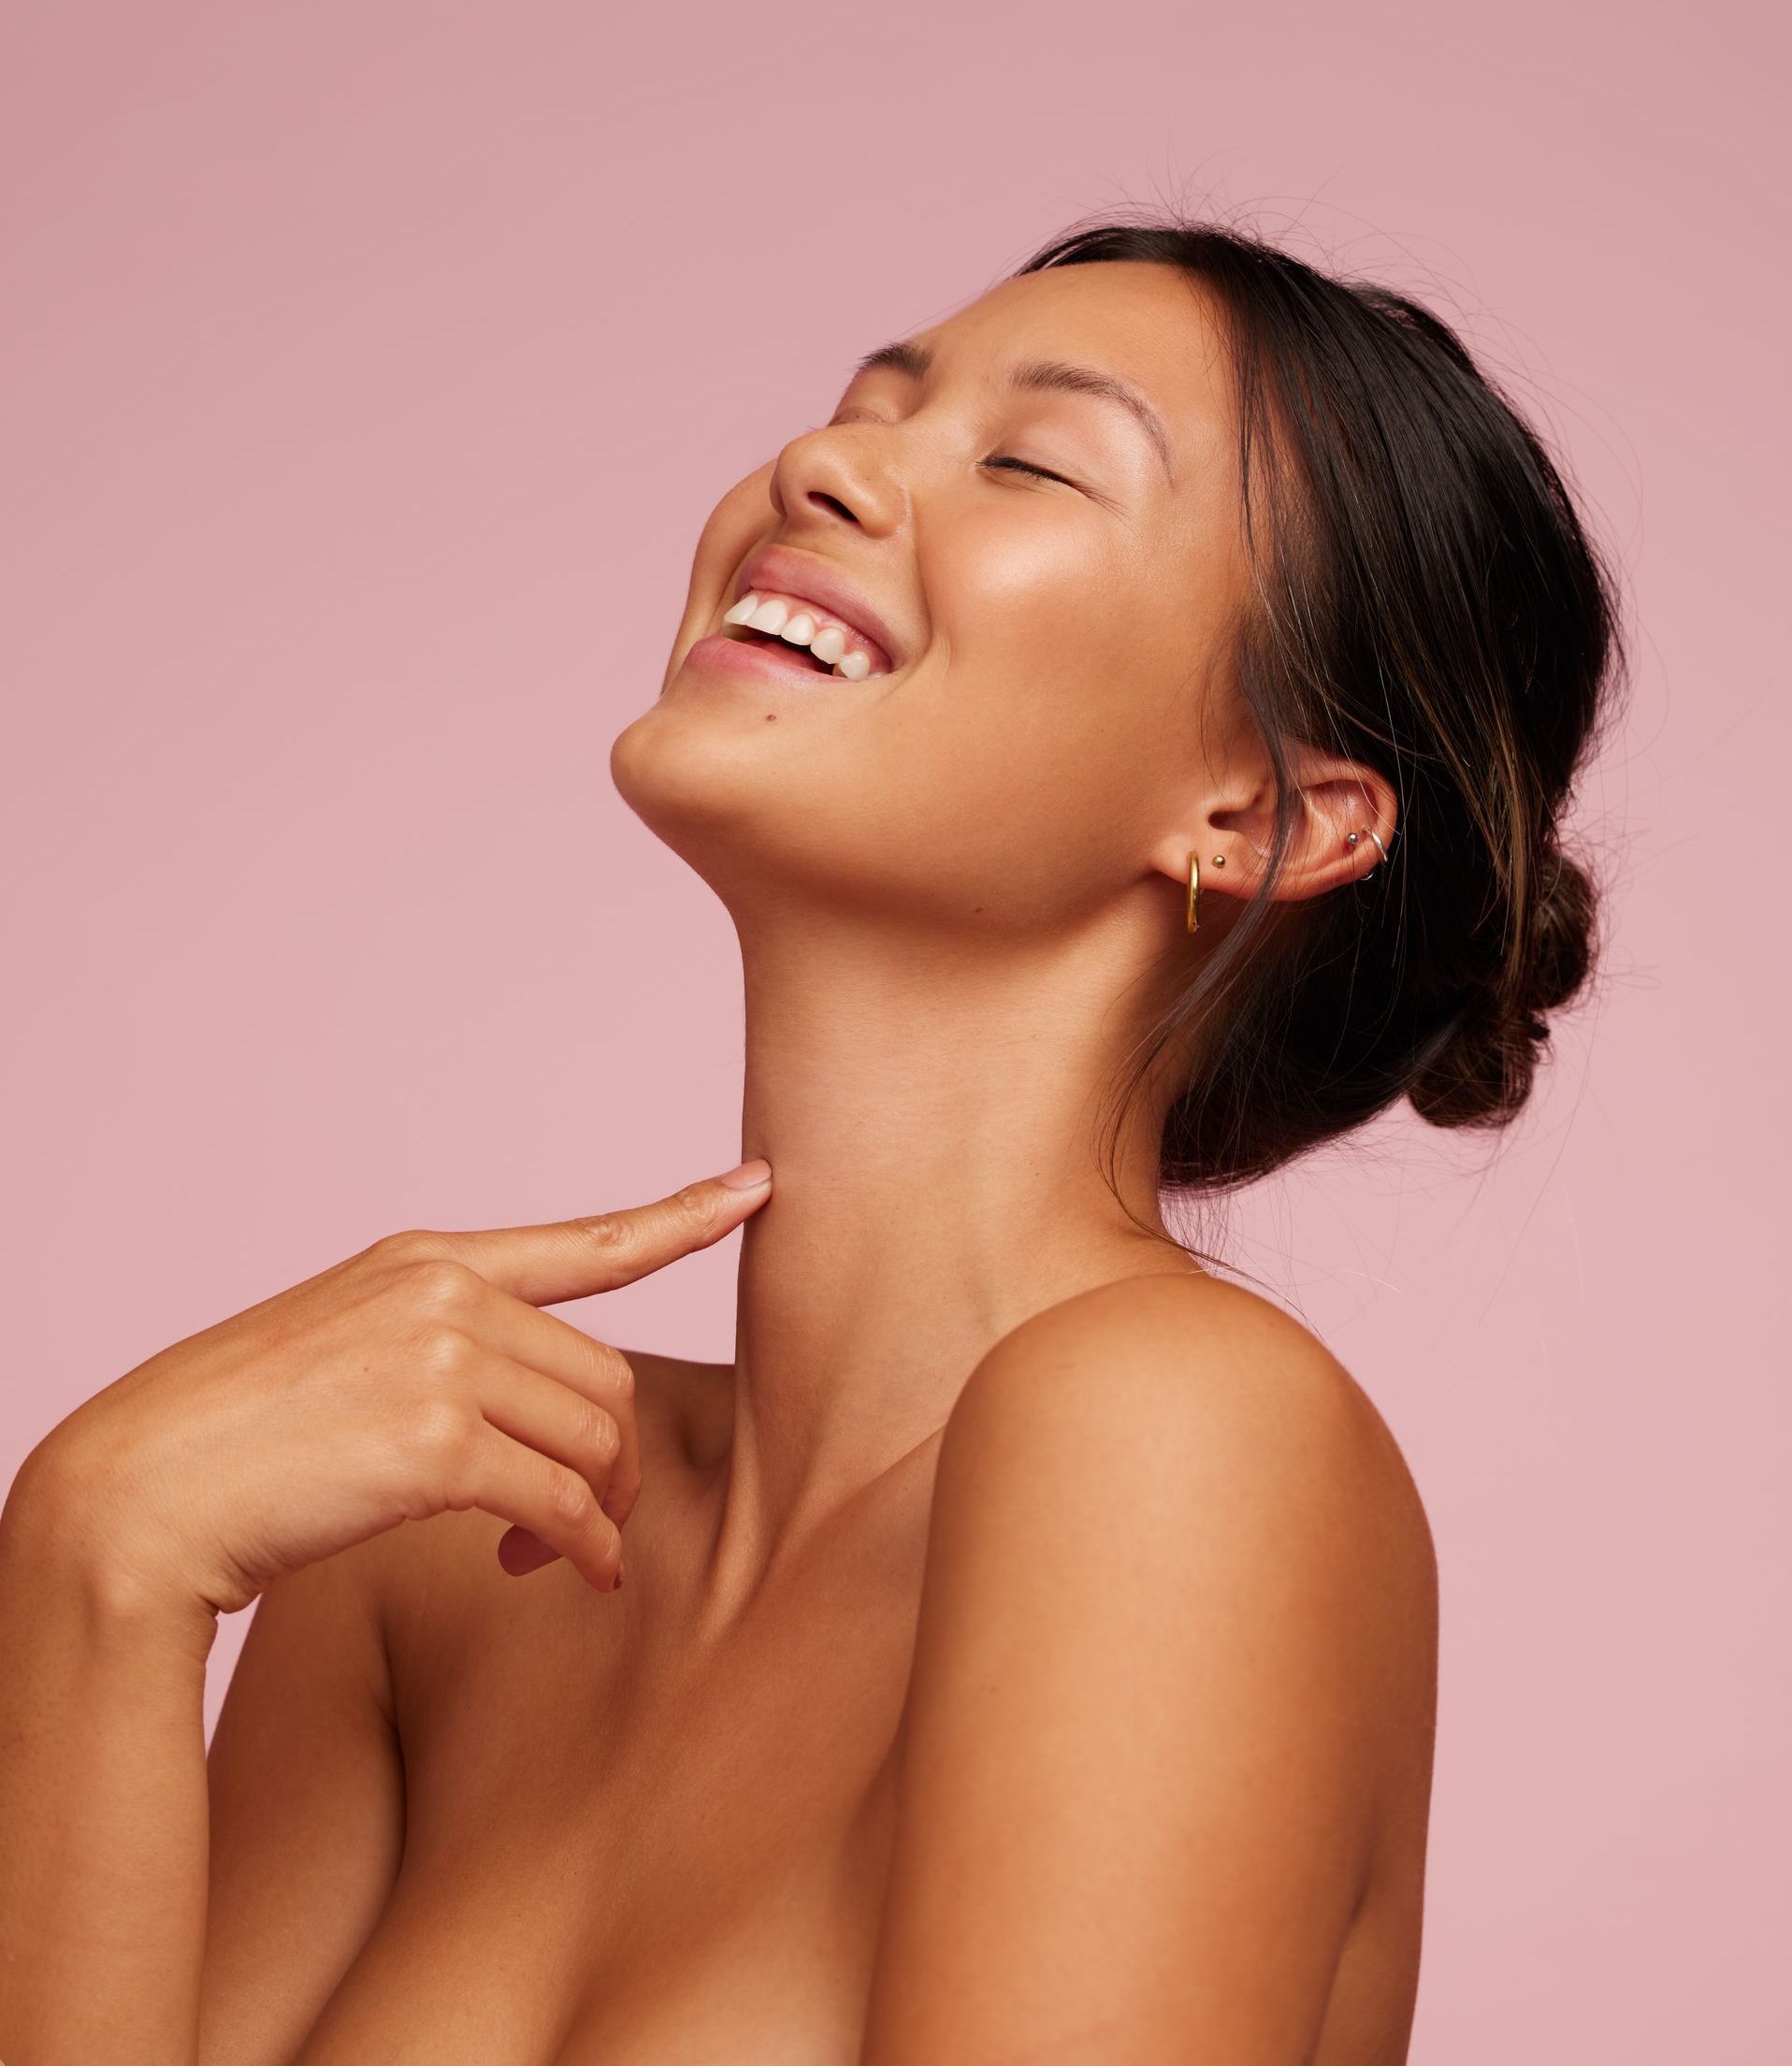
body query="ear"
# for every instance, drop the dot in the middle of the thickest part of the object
(1232, 832)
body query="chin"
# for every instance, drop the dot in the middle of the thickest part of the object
(766, 824)
(714, 782)
(680, 772)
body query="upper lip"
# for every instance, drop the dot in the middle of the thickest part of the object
(782, 572)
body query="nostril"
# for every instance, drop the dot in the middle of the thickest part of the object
(833, 502)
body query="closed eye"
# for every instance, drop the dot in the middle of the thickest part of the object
(1023, 466)
(1003, 460)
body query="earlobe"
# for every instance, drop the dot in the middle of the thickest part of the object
(1207, 859)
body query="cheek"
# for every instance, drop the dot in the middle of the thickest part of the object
(1050, 691)
(735, 526)
(1029, 758)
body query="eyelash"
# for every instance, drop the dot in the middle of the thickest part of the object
(1017, 466)
(1005, 459)
(1023, 466)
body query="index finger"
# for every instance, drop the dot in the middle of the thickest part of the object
(562, 1259)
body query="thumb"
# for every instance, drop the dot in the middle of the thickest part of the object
(562, 1259)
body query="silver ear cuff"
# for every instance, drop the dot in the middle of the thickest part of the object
(1351, 839)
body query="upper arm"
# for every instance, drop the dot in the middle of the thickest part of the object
(307, 1812)
(1173, 1642)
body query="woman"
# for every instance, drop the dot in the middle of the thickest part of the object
(1130, 740)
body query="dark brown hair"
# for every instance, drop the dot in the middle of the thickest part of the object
(1429, 604)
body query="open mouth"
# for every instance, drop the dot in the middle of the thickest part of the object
(799, 654)
(830, 643)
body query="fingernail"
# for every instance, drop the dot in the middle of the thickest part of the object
(747, 1176)
(618, 1587)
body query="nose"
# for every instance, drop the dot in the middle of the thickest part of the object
(837, 475)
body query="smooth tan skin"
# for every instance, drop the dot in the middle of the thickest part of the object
(1027, 1648)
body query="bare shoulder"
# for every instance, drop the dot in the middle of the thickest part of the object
(1187, 1381)
(1193, 1449)
(1174, 1672)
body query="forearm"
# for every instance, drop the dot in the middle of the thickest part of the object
(103, 1805)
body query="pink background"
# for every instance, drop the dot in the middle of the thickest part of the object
(369, 372)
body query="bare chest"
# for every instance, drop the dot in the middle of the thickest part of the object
(615, 1857)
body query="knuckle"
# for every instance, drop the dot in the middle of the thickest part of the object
(695, 1205)
(571, 1501)
(438, 1285)
(441, 1428)
(408, 1245)
(442, 1351)
(607, 1233)
(621, 1374)
(607, 1440)
(597, 1435)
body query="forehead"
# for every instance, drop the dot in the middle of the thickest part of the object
(1153, 325)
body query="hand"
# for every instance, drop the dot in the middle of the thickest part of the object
(416, 1377)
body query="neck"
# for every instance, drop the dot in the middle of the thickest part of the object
(932, 1114)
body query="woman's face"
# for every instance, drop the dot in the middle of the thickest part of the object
(1050, 721)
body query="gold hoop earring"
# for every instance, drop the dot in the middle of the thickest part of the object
(1193, 914)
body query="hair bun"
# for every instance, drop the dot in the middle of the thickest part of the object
(1480, 1068)
(1558, 951)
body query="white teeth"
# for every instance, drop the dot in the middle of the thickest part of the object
(828, 642)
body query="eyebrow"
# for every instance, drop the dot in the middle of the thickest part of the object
(1039, 376)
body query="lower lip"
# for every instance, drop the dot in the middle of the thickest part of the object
(760, 663)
